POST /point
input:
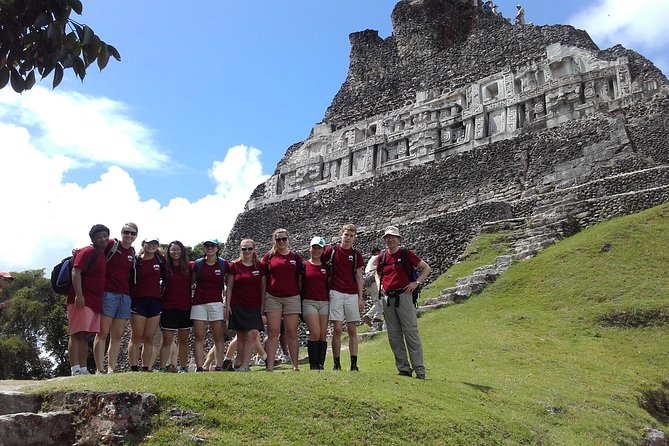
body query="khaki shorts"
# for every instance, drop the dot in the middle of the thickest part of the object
(321, 307)
(283, 305)
(212, 311)
(344, 307)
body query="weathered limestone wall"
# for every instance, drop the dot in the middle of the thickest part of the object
(459, 119)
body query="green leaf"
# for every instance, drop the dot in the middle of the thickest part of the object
(114, 52)
(79, 29)
(88, 35)
(79, 68)
(30, 80)
(57, 75)
(103, 56)
(76, 6)
(42, 20)
(4, 77)
(18, 84)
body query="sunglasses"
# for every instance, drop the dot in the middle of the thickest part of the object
(129, 233)
(281, 239)
(247, 248)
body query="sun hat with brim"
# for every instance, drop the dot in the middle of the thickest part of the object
(151, 239)
(392, 230)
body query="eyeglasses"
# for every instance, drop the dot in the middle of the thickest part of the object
(129, 232)
(247, 248)
(281, 239)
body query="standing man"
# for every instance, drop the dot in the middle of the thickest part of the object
(5, 280)
(84, 298)
(345, 293)
(394, 272)
(520, 15)
(116, 299)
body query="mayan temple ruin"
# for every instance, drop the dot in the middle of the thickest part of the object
(460, 120)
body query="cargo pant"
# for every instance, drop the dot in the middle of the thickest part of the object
(402, 327)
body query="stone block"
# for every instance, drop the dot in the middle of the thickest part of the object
(15, 402)
(43, 429)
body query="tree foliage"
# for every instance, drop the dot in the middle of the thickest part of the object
(34, 327)
(39, 36)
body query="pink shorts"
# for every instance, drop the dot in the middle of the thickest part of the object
(82, 320)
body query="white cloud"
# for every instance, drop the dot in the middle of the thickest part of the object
(85, 128)
(43, 216)
(638, 25)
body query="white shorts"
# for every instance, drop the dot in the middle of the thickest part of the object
(212, 311)
(344, 307)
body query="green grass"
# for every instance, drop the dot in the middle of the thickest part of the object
(544, 356)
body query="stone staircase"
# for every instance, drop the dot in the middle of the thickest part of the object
(73, 418)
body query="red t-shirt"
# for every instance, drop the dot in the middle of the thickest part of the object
(177, 295)
(315, 282)
(92, 278)
(246, 291)
(208, 283)
(343, 276)
(282, 273)
(118, 270)
(148, 279)
(394, 273)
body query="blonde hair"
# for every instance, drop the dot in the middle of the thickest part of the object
(131, 225)
(255, 254)
(277, 231)
(349, 227)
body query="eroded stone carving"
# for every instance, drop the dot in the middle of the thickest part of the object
(568, 84)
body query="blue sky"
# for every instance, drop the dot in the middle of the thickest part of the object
(206, 100)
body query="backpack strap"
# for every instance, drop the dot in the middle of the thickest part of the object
(110, 251)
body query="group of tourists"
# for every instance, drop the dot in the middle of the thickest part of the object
(250, 294)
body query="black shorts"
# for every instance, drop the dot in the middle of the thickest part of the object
(245, 319)
(145, 306)
(175, 320)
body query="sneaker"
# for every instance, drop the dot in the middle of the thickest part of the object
(183, 370)
(84, 371)
(227, 365)
(243, 368)
(171, 369)
(404, 373)
(260, 361)
(110, 371)
(199, 370)
(420, 375)
(218, 369)
(163, 370)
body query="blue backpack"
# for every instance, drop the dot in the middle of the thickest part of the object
(61, 274)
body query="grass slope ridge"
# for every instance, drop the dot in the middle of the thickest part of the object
(544, 356)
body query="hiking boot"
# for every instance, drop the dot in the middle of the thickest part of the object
(354, 368)
(406, 373)
(199, 370)
(420, 375)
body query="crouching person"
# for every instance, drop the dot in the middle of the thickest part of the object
(394, 272)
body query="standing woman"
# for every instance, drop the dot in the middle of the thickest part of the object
(175, 317)
(244, 299)
(282, 298)
(116, 298)
(209, 280)
(145, 306)
(316, 303)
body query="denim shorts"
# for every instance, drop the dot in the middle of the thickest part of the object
(116, 305)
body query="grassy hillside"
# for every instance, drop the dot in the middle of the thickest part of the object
(563, 349)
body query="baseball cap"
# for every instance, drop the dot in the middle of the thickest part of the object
(212, 241)
(7, 276)
(317, 241)
(392, 230)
